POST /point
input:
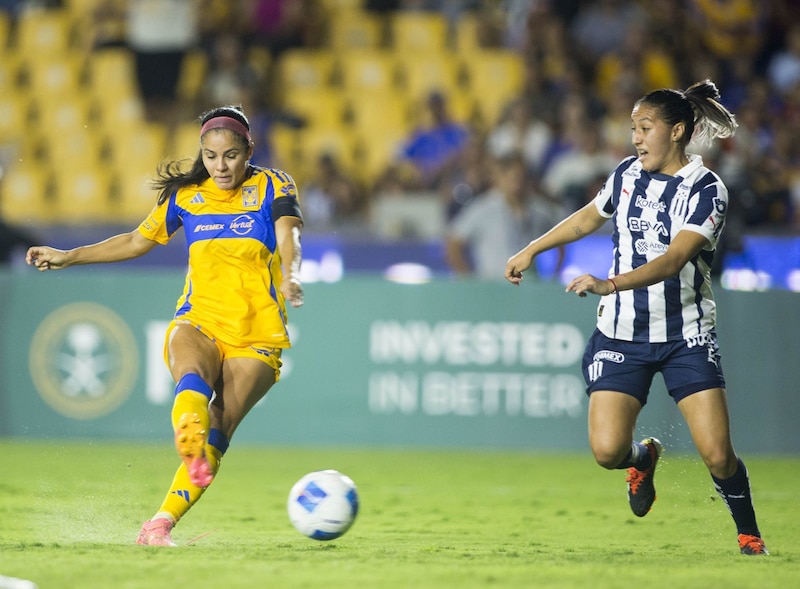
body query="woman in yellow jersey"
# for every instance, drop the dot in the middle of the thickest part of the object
(242, 225)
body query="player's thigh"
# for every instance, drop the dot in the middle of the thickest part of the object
(189, 350)
(612, 418)
(706, 414)
(242, 383)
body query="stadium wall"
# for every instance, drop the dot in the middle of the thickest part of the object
(375, 363)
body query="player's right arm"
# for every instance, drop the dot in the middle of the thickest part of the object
(579, 224)
(125, 246)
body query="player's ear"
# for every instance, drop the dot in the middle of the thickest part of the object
(678, 130)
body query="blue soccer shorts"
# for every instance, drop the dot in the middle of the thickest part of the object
(688, 366)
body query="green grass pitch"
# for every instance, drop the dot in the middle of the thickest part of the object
(70, 513)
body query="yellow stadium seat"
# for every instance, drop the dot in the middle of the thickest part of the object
(338, 142)
(140, 147)
(184, 141)
(24, 195)
(418, 31)
(422, 73)
(43, 33)
(5, 30)
(375, 152)
(135, 193)
(112, 71)
(58, 75)
(285, 144)
(10, 70)
(118, 114)
(368, 71)
(355, 30)
(495, 77)
(74, 148)
(337, 6)
(192, 75)
(378, 112)
(83, 195)
(62, 114)
(323, 106)
(305, 68)
(14, 116)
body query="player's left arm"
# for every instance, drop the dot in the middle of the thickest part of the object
(685, 245)
(288, 234)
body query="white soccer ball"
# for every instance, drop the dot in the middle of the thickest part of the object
(323, 504)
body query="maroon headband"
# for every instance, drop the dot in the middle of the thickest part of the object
(226, 123)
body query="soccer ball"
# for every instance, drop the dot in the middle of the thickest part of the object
(323, 504)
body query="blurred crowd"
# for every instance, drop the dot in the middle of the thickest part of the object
(584, 64)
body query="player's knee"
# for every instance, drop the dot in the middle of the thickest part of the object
(720, 463)
(607, 456)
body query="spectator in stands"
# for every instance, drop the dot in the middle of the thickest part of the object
(330, 197)
(497, 223)
(571, 171)
(520, 131)
(242, 224)
(436, 143)
(161, 33)
(784, 66)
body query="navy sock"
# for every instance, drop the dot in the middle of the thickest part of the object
(735, 492)
(638, 457)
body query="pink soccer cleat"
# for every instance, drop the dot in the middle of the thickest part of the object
(156, 533)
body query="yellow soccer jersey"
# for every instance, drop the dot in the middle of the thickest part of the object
(234, 270)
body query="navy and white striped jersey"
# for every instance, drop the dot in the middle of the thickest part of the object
(647, 211)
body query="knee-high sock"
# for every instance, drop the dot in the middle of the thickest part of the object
(182, 494)
(735, 492)
(192, 395)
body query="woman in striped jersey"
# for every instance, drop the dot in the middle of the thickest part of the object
(656, 311)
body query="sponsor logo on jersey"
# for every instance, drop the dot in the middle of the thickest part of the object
(83, 360)
(209, 227)
(643, 246)
(242, 225)
(288, 190)
(644, 203)
(197, 199)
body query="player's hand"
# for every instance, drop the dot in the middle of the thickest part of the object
(292, 291)
(590, 284)
(516, 265)
(44, 258)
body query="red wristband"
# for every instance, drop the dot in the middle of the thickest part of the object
(615, 285)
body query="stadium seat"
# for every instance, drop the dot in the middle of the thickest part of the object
(184, 142)
(14, 116)
(62, 114)
(83, 195)
(135, 195)
(53, 77)
(339, 142)
(119, 113)
(43, 33)
(317, 106)
(112, 71)
(378, 112)
(418, 31)
(5, 31)
(368, 71)
(192, 75)
(355, 30)
(24, 195)
(494, 78)
(305, 68)
(141, 147)
(376, 151)
(74, 148)
(421, 74)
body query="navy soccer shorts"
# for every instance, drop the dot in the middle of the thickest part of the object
(688, 366)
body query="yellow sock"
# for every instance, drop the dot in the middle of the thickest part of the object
(192, 395)
(182, 494)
